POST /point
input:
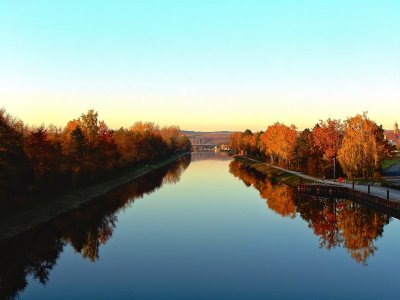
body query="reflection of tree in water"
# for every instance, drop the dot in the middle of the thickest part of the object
(100, 228)
(336, 222)
(28, 254)
(175, 171)
(321, 216)
(35, 253)
(360, 228)
(279, 197)
(344, 223)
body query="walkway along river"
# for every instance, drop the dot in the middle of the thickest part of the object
(379, 192)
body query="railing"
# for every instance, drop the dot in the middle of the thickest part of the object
(347, 193)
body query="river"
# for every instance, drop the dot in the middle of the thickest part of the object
(206, 227)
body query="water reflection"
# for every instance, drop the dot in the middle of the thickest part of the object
(337, 222)
(35, 253)
(210, 155)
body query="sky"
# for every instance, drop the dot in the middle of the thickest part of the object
(202, 65)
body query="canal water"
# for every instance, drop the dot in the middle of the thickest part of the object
(206, 227)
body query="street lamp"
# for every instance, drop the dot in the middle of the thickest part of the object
(334, 168)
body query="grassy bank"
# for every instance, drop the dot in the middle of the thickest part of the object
(390, 162)
(274, 174)
(16, 220)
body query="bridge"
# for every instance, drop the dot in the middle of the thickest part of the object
(201, 146)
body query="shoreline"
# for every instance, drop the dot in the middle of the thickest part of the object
(282, 175)
(23, 220)
(294, 178)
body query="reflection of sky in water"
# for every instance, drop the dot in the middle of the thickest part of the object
(211, 237)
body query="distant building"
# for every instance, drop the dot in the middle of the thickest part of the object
(393, 136)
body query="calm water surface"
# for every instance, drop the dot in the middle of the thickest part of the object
(206, 229)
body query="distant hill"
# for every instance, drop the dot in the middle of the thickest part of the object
(204, 137)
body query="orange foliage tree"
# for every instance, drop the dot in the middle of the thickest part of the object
(327, 137)
(235, 142)
(279, 142)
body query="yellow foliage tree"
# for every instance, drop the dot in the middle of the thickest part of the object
(363, 147)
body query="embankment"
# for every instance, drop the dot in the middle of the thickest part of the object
(274, 173)
(17, 220)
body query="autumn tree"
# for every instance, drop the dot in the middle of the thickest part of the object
(176, 141)
(279, 142)
(363, 148)
(247, 142)
(145, 128)
(303, 147)
(328, 137)
(90, 143)
(288, 141)
(78, 145)
(90, 126)
(125, 141)
(235, 142)
(108, 150)
(270, 142)
(42, 153)
(147, 136)
(13, 160)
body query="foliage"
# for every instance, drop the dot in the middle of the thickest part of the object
(363, 148)
(327, 137)
(279, 142)
(84, 150)
(13, 160)
(355, 147)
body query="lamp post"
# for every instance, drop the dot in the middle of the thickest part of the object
(334, 168)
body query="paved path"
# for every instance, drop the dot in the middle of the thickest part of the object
(393, 170)
(393, 174)
(375, 190)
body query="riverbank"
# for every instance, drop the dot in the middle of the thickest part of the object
(294, 178)
(275, 173)
(16, 221)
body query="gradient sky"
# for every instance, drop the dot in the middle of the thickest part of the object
(203, 65)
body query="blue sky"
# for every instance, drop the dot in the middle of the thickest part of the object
(203, 65)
